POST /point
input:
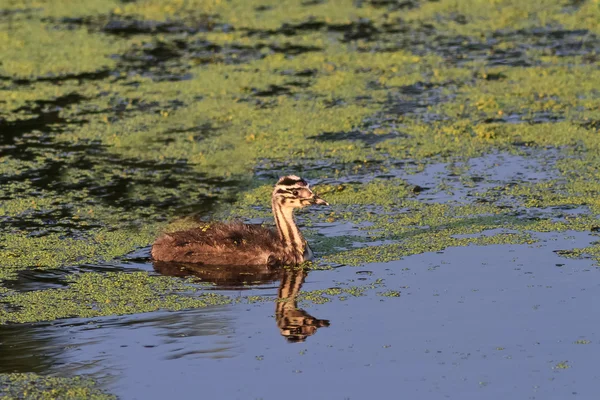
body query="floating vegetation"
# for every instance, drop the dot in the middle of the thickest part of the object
(92, 295)
(33, 386)
(426, 124)
(119, 118)
(562, 365)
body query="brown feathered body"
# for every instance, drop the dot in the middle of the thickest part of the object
(240, 244)
(223, 244)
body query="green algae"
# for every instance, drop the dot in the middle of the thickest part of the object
(562, 365)
(246, 134)
(10, 167)
(390, 293)
(423, 243)
(92, 295)
(253, 14)
(582, 341)
(33, 386)
(36, 49)
(479, 15)
(57, 8)
(158, 129)
(321, 296)
(255, 203)
(561, 90)
(592, 251)
(53, 250)
(418, 227)
(379, 192)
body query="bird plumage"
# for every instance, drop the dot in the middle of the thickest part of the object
(242, 244)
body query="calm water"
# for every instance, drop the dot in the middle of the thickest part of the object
(493, 322)
(470, 323)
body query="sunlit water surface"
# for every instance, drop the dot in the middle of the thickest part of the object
(470, 323)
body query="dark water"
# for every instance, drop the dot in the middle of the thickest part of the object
(470, 323)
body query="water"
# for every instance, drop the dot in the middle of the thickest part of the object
(469, 323)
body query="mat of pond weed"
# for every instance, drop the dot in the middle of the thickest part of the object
(456, 141)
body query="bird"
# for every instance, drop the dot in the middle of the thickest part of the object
(242, 244)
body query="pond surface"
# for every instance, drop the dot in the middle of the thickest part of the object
(476, 322)
(456, 142)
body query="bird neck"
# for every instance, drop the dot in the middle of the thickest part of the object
(289, 233)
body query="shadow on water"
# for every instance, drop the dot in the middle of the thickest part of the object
(100, 177)
(423, 39)
(294, 324)
(82, 77)
(114, 192)
(171, 58)
(48, 119)
(130, 26)
(362, 29)
(366, 137)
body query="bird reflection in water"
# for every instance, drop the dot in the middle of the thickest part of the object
(294, 324)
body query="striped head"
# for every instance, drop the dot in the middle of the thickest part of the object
(294, 192)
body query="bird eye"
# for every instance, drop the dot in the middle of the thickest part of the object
(295, 192)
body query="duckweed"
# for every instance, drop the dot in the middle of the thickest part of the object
(92, 294)
(33, 386)
(123, 119)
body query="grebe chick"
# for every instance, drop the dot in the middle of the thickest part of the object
(242, 244)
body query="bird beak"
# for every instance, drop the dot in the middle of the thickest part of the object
(317, 200)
